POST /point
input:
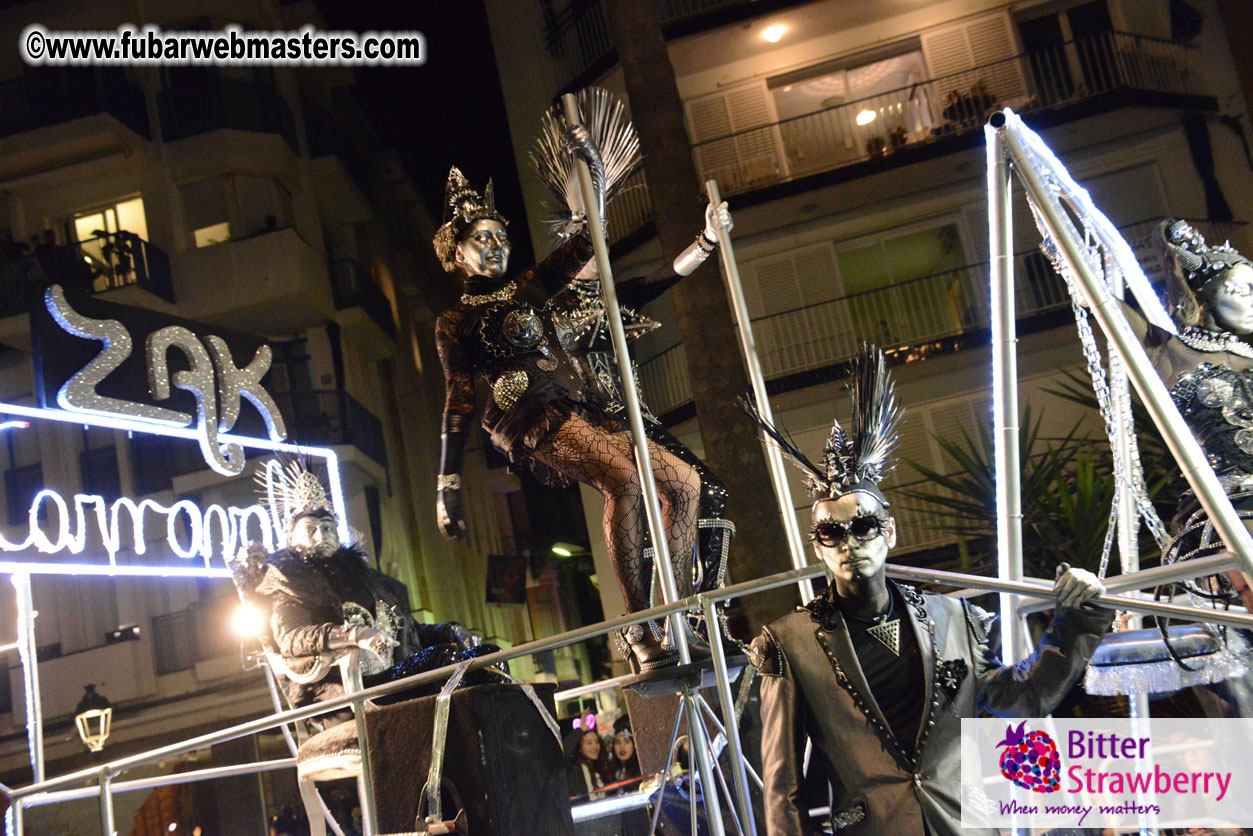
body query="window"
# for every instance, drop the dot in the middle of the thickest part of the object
(151, 456)
(24, 477)
(233, 207)
(174, 641)
(918, 291)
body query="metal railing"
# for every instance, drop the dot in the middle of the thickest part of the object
(329, 417)
(52, 95)
(911, 313)
(92, 267)
(194, 106)
(927, 112)
(100, 778)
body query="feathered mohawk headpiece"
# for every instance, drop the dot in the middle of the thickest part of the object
(290, 492)
(860, 460)
(462, 207)
(613, 135)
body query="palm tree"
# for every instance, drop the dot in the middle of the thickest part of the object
(704, 316)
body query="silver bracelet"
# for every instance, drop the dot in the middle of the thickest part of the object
(448, 482)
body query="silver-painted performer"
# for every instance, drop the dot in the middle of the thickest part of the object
(877, 674)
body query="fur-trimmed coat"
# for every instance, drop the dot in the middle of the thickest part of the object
(306, 596)
(812, 685)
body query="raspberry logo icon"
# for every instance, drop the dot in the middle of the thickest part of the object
(1030, 759)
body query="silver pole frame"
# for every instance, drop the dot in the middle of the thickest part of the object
(697, 742)
(107, 826)
(1183, 446)
(726, 700)
(1032, 588)
(26, 649)
(630, 394)
(752, 363)
(1005, 393)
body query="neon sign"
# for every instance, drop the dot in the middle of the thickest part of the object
(199, 538)
(214, 380)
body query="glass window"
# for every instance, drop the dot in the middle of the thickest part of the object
(906, 286)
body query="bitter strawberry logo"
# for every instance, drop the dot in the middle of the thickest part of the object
(1030, 760)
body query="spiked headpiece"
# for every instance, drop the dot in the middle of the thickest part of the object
(859, 460)
(1193, 268)
(462, 207)
(290, 492)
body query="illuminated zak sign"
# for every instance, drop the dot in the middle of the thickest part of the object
(216, 383)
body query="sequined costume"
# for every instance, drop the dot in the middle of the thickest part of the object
(815, 683)
(523, 354)
(1217, 403)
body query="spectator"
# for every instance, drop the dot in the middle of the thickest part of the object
(624, 763)
(584, 768)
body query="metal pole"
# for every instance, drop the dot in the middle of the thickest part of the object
(365, 786)
(702, 753)
(30, 673)
(107, 826)
(752, 362)
(727, 701)
(1183, 446)
(14, 818)
(643, 462)
(1004, 391)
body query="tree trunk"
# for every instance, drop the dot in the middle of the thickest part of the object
(732, 448)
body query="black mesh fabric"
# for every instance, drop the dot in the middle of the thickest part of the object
(506, 766)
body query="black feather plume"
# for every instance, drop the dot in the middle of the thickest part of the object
(814, 475)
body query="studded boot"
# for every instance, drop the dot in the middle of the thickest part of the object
(648, 652)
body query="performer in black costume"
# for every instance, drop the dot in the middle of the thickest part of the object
(325, 597)
(548, 408)
(879, 675)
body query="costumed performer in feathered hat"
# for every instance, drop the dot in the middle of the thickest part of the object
(879, 675)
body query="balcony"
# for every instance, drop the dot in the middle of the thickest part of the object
(96, 266)
(50, 96)
(352, 286)
(198, 105)
(331, 418)
(907, 124)
(915, 319)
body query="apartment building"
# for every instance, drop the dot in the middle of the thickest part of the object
(247, 199)
(848, 137)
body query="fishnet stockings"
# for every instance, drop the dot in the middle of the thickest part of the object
(606, 461)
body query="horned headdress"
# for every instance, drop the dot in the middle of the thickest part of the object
(857, 460)
(462, 207)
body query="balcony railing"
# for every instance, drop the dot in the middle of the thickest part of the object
(95, 266)
(351, 286)
(929, 111)
(52, 95)
(909, 316)
(330, 417)
(195, 106)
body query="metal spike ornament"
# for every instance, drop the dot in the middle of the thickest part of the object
(613, 135)
(859, 460)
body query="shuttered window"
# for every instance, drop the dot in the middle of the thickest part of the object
(987, 42)
(746, 147)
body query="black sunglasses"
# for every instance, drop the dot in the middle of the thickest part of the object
(864, 527)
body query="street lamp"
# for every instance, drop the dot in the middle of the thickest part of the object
(93, 716)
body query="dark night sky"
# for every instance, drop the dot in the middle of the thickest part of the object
(446, 112)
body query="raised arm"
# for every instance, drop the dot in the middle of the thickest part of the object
(635, 293)
(455, 425)
(1035, 686)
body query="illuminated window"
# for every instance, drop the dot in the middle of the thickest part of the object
(111, 259)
